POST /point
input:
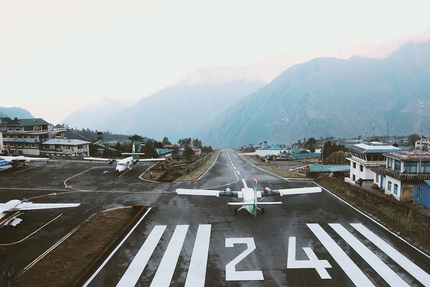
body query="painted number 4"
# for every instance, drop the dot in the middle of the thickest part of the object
(313, 261)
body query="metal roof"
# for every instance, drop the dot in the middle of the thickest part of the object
(374, 147)
(328, 168)
(415, 155)
(73, 142)
(27, 122)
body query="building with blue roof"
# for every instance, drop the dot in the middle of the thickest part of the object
(366, 156)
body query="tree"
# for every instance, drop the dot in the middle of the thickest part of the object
(150, 150)
(165, 141)
(310, 144)
(197, 143)
(136, 138)
(412, 139)
(188, 153)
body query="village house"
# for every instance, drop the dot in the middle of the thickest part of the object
(365, 157)
(405, 175)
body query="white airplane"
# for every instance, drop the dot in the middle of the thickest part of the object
(126, 163)
(10, 210)
(7, 162)
(249, 195)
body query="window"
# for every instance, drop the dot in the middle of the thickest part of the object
(361, 167)
(354, 165)
(377, 178)
(397, 165)
(396, 188)
(389, 186)
(389, 162)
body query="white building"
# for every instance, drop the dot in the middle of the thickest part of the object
(424, 141)
(401, 171)
(365, 156)
(66, 147)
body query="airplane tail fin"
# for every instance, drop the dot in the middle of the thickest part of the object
(254, 210)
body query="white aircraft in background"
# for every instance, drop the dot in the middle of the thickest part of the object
(126, 163)
(7, 162)
(10, 210)
(249, 195)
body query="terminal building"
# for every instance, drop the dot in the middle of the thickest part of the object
(36, 137)
(365, 157)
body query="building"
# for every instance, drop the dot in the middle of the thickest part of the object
(402, 172)
(25, 136)
(365, 157)
(422, 193)
(65, 147)
(424, 141)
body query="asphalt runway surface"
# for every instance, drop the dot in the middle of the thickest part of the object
(309, 240)
(95, 185)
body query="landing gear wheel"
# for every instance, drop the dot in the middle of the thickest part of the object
(235, 211)
(262, 210)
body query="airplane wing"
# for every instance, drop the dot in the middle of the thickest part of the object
(18, 205)
(206, 192)
(110, 160)
(289, 191)
(150, 159)
(24, 159)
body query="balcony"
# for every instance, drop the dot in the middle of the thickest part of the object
(19, 140)
(403, 176)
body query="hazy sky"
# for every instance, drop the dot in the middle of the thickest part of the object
(56, 56)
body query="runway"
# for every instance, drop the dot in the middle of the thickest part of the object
(308, 240)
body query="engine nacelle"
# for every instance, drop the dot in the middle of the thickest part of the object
(111, 161)
(134, 161)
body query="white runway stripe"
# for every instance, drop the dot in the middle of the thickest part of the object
(164, 274)
(197, 271)
(135, 269)
(377, 264)
(349, 267)
(404, 262)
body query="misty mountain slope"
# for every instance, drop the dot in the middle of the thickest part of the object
(15, 112)
(179, 111)
(100, 111)
(333, 97)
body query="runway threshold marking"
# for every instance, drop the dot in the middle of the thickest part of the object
(165, 270)
(407, 264)
(197, 271)
(377, 264)
(132, 274)
(346, 263)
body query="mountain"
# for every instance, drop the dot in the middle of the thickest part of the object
(15, 112)
(333, 97)
(98, 112)
(182, 109)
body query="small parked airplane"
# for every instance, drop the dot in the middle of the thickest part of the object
(126, 163)
(10, 210)
(249, 195)
(7, 162)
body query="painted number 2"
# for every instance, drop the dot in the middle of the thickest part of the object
(231, 273)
